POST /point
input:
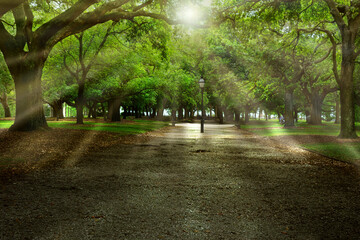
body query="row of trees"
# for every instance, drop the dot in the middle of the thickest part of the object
(283, 57)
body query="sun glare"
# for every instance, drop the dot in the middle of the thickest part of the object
(189, 15)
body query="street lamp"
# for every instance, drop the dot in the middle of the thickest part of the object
(202, 84)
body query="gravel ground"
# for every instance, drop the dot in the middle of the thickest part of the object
(224, 184)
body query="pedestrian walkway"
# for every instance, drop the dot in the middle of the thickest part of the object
(223, 184)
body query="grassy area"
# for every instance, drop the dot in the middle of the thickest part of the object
(296, 131)
(349, 152)
(5, 123)
(345, 151)
(123, 128)
(272, 128)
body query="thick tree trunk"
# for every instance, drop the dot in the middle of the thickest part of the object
(289, 108)
(160, 113)
(57, 107)
(347, 103)
(316, 109)
(237, 118)
(180, 113)
(5, 105)
(153, 114)
(114, 110)
(29, 104)
(186, 113)
(347, 94)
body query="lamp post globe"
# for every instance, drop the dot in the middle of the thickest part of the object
(201, 83)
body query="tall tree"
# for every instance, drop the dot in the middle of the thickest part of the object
(26, 49)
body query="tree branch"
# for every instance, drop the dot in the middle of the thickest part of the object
(325, 57)
(52, 27)
(336, 14)
(7, 5)
(333, 42)
(29, 22)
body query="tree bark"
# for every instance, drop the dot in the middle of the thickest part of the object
(186, 113)
(180, 113)
(114, 110)
(57, 107)
(29, 104)
(289, 108)
(316, 109)
(4, 103)
(153, 114)
(349, 29)
(160, 113)
(237, 118)
(347, 103)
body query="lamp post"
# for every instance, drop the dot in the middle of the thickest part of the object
(202, 84)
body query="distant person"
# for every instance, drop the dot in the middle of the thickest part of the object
(282, 120)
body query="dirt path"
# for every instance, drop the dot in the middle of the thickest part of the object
(224, 184)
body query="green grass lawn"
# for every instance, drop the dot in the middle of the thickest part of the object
(348, 152)
(272, 128)
(137, 127)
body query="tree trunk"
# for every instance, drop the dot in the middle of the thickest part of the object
(57, 107)
(237, 118)
(347, 103)
(29, 104)
(80, 103)
(103, 111)
(186, 113)
(173, 117)
(296, 115)
(5, 105)
(337, 110)
(289, 108)
(114, 110)
(315, 109)
(160, 113)
(192, 113)
(180, 113)
(153, 114)
(220, 114)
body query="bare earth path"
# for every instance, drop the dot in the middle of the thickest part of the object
(224, 184)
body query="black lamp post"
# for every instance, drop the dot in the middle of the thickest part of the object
(202, 84)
